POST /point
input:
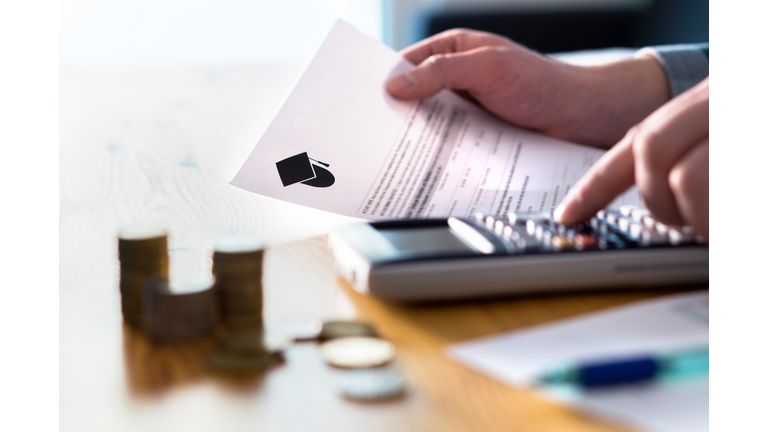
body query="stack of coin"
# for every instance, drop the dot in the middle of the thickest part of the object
(248, 350)
(182, 308)
(237, 265)
(143, 253)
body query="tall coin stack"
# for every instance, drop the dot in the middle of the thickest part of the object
(237, 266)
(143, 254)
(184, 307)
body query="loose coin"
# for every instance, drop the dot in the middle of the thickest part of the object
(230, 362)
(337, 329)
(255, 342)
(357, 352)
(372, 384)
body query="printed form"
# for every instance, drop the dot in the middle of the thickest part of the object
(340, 143)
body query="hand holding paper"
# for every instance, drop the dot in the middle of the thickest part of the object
(342, 144)
(590, 105)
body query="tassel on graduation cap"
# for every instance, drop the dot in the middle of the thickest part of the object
(299, 169)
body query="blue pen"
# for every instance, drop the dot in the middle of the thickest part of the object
(630, 369)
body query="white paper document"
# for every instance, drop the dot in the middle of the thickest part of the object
(672, 323)
(340, 143)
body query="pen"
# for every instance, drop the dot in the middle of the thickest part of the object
(630, 369)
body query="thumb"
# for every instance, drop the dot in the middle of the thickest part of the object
(458, 71)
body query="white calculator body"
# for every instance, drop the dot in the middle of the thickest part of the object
(434, 259)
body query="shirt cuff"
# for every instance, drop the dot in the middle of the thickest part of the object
(685, 65)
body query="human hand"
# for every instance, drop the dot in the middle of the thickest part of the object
(666, 155)
(593, 105)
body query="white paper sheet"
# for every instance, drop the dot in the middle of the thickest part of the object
(670, 323)
(340, 143)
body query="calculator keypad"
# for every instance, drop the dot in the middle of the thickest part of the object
(624, 228)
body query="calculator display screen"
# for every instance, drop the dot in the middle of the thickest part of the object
(427, 241)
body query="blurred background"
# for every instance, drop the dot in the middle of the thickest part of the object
(149, 34)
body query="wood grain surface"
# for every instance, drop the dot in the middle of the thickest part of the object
(162, 146)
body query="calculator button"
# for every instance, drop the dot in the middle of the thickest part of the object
(677, 236)
(507, 231)
(661, 228)
(612, 216)
(649, 222)
(595, 222)
(530, 227)
(522, 218)
(561, 243)
(528, 245)
(623, 224)
(600, 214)
(652, 238)
(626, 210)
(545, 238)
(479, 216)
(613, 241)
(635, 231)
(489, 221)
(498, 227)
(542, 231)
(639, 213)
(584, 241)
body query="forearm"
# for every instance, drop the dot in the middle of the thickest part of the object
(607, 100)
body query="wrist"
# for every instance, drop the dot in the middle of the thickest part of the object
(609, 99)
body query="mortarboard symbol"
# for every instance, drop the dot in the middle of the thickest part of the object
(298, 168)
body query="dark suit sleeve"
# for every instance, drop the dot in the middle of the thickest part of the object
(685, 65)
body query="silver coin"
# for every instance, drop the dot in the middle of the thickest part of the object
(357, 352)
(372, 384)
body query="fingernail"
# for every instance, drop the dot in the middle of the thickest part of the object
(401, 83)
(558, 215)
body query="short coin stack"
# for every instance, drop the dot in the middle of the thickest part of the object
(143, 253)
(182, 308)
(237, 266)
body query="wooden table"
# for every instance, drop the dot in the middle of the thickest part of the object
(162, 146)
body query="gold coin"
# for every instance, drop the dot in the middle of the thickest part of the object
(357, 352)
(337, 329)
(254, 342)
(229, 362)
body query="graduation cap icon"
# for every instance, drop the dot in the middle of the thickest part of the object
(300, 168)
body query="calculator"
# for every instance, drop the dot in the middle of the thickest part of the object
(435, 259)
